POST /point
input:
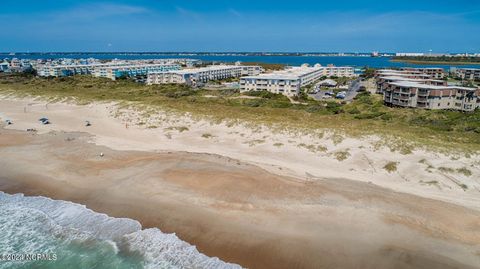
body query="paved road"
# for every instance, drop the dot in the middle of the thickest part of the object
(353, 89)
(351, 92)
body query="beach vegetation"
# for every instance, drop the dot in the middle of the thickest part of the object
(465, 171)
(341, 155)
(390, 167)
(446, 131)
(446, 169)
(207, 135)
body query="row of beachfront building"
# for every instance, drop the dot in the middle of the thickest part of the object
(112, 69)
(424, 88)
(252, 78)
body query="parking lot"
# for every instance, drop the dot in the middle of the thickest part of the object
(351, 92)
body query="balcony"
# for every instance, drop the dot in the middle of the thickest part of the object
(422, 93)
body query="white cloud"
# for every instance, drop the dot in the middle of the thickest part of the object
(99, 10)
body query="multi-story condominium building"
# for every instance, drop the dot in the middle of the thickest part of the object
(63, 70)
(4, 66)
(433, 72)
(467, 73)
(338, 71)
(251, 70)
(197, 76)
(114, 72)
(287, 82)
(401, 73)
(385, 76)
(384, 81)
(418, 95)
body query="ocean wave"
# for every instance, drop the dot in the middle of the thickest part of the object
(40, 224)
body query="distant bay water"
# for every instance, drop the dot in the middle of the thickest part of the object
(355, 61)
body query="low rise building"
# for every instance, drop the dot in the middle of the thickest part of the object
(433, 72)
(338, 71)
(115, 72)
(384, 76)
(112, 69)
(202, 75)
(287, 82)
(4, 66)
(418, 88)
(53, 69)
(384, 81)
(467, 73)
(419, 95)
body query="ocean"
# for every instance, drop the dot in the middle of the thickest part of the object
(38, 232)
(355, 61)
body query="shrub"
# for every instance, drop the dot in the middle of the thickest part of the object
(341, 155)
(391, 167)
(446, 169)
(465, 171)
(207, 135)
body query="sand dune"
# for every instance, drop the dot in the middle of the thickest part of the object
(323, 154)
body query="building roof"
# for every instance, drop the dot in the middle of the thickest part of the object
(403, 74)
(400, 78)
(411, 84)
(330, 82)
(292, 73)
(197, 70)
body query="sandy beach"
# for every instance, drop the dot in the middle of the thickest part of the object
(237, 194)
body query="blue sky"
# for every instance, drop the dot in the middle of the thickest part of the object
(261, 25)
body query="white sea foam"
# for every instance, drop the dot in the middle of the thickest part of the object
(38, 217)
(162, 250)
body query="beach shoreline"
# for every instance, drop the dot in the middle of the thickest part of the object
(239, 212)
(243, 210)
(311, 156)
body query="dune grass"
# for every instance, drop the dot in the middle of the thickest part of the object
(390, 167)
(401, 129)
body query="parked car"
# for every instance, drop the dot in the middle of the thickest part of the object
(341, 95)
(44, 121)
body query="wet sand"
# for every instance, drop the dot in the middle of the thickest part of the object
(241, 213)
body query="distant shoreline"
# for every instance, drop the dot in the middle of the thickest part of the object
(434, 62)
(212, 53)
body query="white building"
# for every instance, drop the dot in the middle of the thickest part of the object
(338, 71)
(409, 54)
(63, 70)
(287, 82)
(113, 69)
(290, 80)
(202, 75)
(114, 72)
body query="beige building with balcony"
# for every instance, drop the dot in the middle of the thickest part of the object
(290, 80)
(418, 95)
(287, 82)
(467, 73)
